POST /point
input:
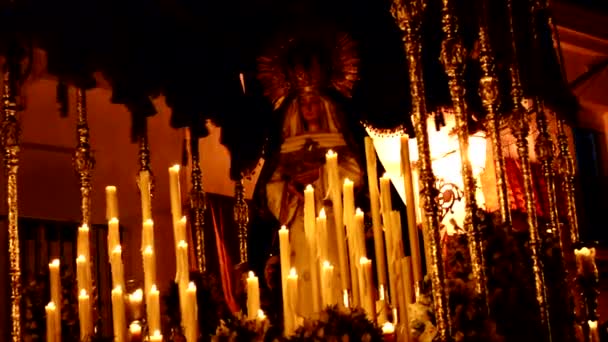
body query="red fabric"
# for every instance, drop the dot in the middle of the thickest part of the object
(224, 262)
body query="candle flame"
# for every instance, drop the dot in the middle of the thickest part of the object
(136, 296)
(261, 314)
(110, 188)
(51, 306)
(113, 220)
(358, 211)
(117, 250)
(322, 213)
(117, 289)
(251, 274)
(293, 272)
(183, 220)
(386, 175)
(592, 324)
(388, 328)
(148, 250)
(83, 293)
(330, 153)
(348, 181)
(84, 228)
(153, 288)
(242, 78)
(326, 264)
(191, 286)
(182, 244)
(157, 334)
(81, 258)
(135, 328)
(283, 227)
(309, 188)
(54, 263)
(149, 222)
(174, 168)
(364, 261)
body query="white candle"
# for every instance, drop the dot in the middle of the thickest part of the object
(111, 202)
(349, 216)
(410, 201)
(366, 285)
(322, 236)
(136, 303)
(55, 281)
(113, 234)
(85, 315)
(146, 196)
(182, 268)
(175, 193)
(594, 335)
(119, 315)
(314, 245)
(118, 272)
(385, 194)
(83, 273)
(149, 268)
(192, 314)
(285, 250)
(292, 299)
(82, 243)
(253, 295)
(327, 284)
(147, 234)
(372, 178)
(51, 323)
(135, 332)
(156, 337)
(335, 188)
(408, 284)
(153, 308)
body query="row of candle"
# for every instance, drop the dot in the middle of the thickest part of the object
(587, 269)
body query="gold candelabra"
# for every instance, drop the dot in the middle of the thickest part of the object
(197, 204)
(241, 217)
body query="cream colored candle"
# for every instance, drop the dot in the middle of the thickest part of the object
(181, 228)
(292, 299)
(147, 234)
(285, 252)
(410, 201)
(385, 194)
(309, 209)
(83, 273)
(192, 314)
(335, 187)
(322, 236)
(149, 268)
(327, 285)
(366, 285)
(146, 196)
(407, 280)
(85, 315)
(111, 202)
(390, 254)
(349, 216)
(51, 322)
(253, 295)
(82, 243)
(136, 304)
(156, 336)
(113, 234)
(153, 308)
(118, 272)
(135, 332)
(175, 193)
(55, 282)
(594, 335)
(119, 315)
(314, 245)
(182, 268)
(372, 178)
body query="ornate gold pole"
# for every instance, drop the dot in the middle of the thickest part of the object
(453, 56)
(490, 97)
(241, 217)
(409, 14)
(197, 204)
(519, 127)
(568, 172)
(11, 138)
(145, 174)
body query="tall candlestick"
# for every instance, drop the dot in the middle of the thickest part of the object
(51, 323)
(118, 272)
(111, 202)
(119, 315)
(146, 195)
(314, 247)
(136, 304)
(85, 315)
(285, 250)
(82, 242)
(366, 285)
(83, 273)
(385, 194)
(410, 199)
(192, 313)
(147, 234)
(253, 295)
(359, 235)
(372, 178)
(113, 234)
(292, 299)
(149, 268)
(327, 284)
(335, 188)
(175, 193)
(349, 216)
(55, 281)
(182, 268)
(153, 308)
(322, 237)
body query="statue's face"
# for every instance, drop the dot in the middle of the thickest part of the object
(310, 107)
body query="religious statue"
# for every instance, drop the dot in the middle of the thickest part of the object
(306, 84)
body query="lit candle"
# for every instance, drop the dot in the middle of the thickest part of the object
(335, 189)
(327, 284)
(349, 216)
(385, 194)
(153, 309)
(149, 268)
(85, 315)
(322, 236)
(292, 299)
(118, 272)
(113, 234)
(147, 234)
(594, 335)
(51, 323)
(83, 273)
(366, 285)
(156, 337)
(180, 229)
(135, 332)
(192, 314)
(410, 201)
(135, 303)
(359, 235)
(82, 243)
(372, 178)
(253, 295)
(388, 331)
(175, 193)
(285, 250)
(314, 245)
(111, 202)
(55, 281)
(146, 196)
(182, 268)
(406, 269)
(119, 315)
